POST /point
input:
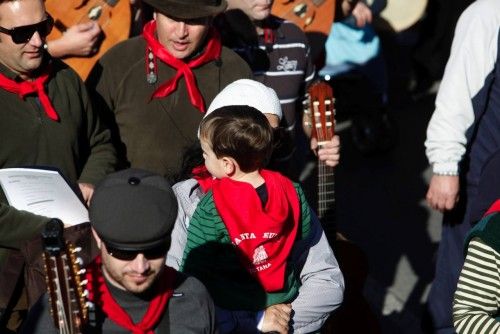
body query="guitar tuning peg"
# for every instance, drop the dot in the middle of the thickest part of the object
(89, 304)
(76, 249)
(79, 261)
(84, 282)
(85, 293)
(82, 271)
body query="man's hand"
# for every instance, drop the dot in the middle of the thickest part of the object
(362, 13)
(79, 40)
(329, 152)
(87, 190)
(276, 318)
(443, 192)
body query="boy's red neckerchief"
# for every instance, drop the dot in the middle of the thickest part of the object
(264, 235)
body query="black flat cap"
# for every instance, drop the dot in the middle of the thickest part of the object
(133, 210)
(188, 9)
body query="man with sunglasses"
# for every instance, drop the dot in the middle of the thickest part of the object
(46, 120)
(155, 88)
(78, 40)
(132, 215)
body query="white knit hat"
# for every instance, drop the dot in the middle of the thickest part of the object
(250, 93)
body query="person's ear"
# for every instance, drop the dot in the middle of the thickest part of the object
(96, 237)
(229, 166)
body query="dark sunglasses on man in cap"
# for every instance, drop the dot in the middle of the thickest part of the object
(23, 34)
(130, 255)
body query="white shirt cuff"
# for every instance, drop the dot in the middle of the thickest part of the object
(445, 168)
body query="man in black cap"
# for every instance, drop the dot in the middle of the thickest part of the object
(155, 88)
(130, 289)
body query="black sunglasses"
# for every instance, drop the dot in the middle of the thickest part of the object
(129, 255)
(23, 34)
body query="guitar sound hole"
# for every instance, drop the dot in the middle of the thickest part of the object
(95, 13)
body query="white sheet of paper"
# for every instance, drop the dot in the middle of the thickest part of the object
(42, 192)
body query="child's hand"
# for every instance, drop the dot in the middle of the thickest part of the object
(276, 318)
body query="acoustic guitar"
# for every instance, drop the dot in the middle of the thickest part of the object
(309, 15)
(68, 305)
(113, 16)
(319, 109)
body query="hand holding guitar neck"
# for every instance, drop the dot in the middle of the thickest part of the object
(329, 152)
(79, 40)
(112, 16)
(319, 116)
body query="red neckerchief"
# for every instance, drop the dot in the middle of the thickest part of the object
(494, 208)
(204, 178)
(269, 37)
(24, 88)
(99, 294)
(212, 51)
(264, 236)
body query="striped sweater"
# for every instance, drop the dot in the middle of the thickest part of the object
(283, 64)
(211, 257)
(477, 298)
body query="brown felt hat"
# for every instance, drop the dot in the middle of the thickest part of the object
(188, 9)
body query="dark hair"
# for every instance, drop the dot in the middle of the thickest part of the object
(192, 157)
(240, 132)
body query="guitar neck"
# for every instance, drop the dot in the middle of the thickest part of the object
(62, 273)
(326, 191)
(64, 291)
(319, 115)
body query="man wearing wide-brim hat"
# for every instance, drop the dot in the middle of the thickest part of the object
(130, 290)
(155, 88)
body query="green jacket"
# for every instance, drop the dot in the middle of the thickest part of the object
(210, 256)
(152, 134)
(78, 145)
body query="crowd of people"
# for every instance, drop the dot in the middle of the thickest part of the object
(184, 142)
(122, 138)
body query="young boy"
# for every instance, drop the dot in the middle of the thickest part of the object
(243, 230)
(322, 285)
